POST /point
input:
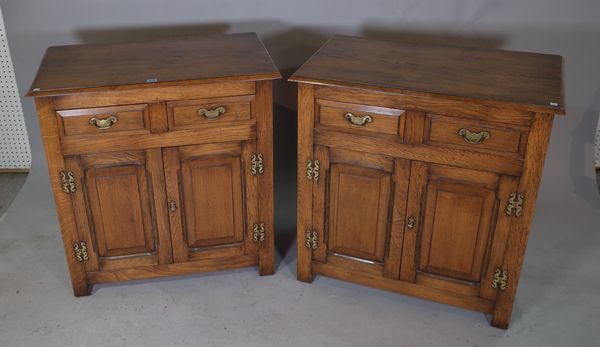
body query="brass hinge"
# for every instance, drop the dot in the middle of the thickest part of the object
(258, 232)
(312, 169)
(81, 253)
(311, 239)
(515, 201)
(500, 280)
(68, 182)
(257, 164)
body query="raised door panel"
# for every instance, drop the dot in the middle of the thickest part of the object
(455, 232)
(118, 208)
(212, 194)
(121, 210)
(456, 229)
(358, 211)
(356, 204)
(208, 186)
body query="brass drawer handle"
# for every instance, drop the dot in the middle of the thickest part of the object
(104, 123)
(473, 138)
(360, 121)
(212, 114)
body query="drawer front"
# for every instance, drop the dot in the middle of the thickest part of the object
(102, 121)
(466, 133)
(186, 114)
(362, 119)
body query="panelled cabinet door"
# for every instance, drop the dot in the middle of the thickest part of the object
(212, 200)
(455, 228)
(359, 193)
(116, 205)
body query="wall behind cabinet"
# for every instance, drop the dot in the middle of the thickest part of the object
(14, 145)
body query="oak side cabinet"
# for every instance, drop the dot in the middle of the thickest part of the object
(160, 156)
(418, 167)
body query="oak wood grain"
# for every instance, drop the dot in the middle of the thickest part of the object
(64, 205)
(432, 294)
(450, 233)
(264, 145)
(520, 228)
(497, 75)
(306, 110)
(77, 67)
(132, 206)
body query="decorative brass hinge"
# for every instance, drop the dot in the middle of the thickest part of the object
(257, 164)
(258, 232)
(81, 253)
(515, 201)
(68, 182)
(312, 169)
(311, 239)
(500, 280)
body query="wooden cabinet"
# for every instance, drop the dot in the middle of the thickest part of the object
(418, 167)
(161, 166)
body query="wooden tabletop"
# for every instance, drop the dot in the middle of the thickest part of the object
(221, 57)
(529, 79)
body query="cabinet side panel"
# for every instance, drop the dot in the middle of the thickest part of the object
(263, 112)
(306, 109)
(533, 165)
(64, 207)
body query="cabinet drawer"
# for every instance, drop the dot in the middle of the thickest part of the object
(473, 134)
(187, 114)
(360, 118)
(101, 121)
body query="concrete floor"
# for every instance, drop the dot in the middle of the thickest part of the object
(558, 302)
(10, 186)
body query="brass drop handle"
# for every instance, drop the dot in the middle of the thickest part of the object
(172, 206)
(359, 121)
(473, 138)
(104, 123)
(410, 224)
(212, 114)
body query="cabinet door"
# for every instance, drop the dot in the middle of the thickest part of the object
(118, 207)
(358, 204)
(455, 231)
(212, 194)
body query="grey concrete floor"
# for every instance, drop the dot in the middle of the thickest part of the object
(558, 302)
(10, 186)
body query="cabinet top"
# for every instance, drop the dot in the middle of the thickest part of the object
(525, 79)
(69, 69)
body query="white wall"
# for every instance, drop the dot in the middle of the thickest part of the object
(292, 30)
(15, 153)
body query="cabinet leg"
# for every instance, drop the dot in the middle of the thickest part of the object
(502, 314)
(304, 270)
(266, 263)
(303, 277)
(500, 320)
(81, 288)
